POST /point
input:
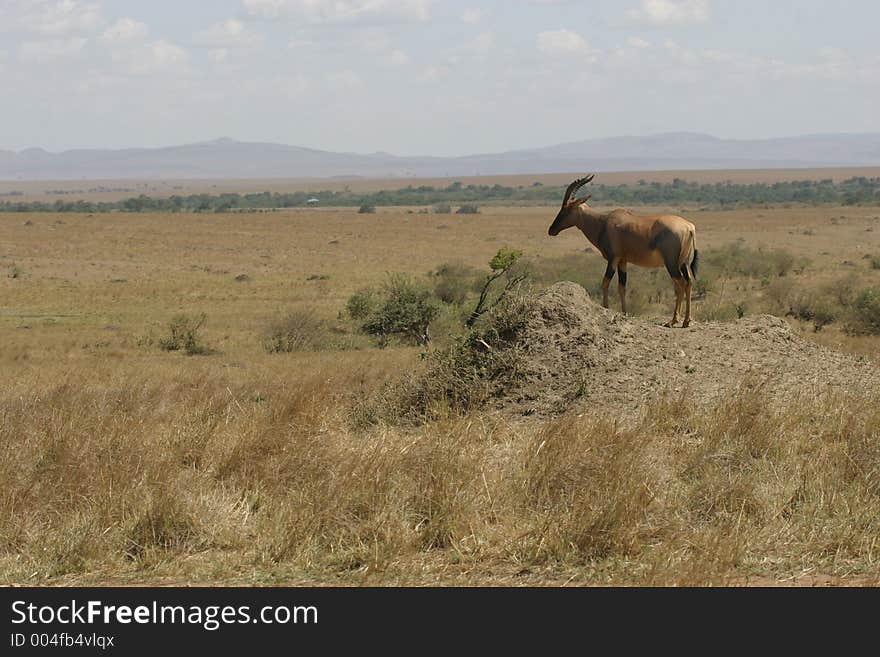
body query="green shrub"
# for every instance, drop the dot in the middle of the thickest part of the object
(468, 372)
(808, 307)
(367, 209)
(361, 304)
(184, 335)
(406, 310)
(874, 261)
(468, 208)
(453, 282)
(865, 314)
(298, 330)
(735, 258)
(442, 208)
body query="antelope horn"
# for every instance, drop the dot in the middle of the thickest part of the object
(576, 185)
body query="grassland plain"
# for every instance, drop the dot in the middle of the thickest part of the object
(123, 463)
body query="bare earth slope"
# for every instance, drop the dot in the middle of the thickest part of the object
(575, 351)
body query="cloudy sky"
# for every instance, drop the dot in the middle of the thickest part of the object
(431, 76)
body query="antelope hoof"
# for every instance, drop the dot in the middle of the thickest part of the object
(686, 323)
(670, 323)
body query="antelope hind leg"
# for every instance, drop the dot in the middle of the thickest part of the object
(687, 307)
(679, 293)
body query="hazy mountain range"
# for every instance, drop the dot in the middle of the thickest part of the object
(227, 158)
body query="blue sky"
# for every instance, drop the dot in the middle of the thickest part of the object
(431, 77)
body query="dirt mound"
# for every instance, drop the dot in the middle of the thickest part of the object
(574, 351)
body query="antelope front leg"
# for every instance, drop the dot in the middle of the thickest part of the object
(606, 281)
(621, 285)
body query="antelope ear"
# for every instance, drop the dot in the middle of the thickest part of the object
(586, 198)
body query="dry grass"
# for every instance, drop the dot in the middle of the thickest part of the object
(201, 480)
(123, 463)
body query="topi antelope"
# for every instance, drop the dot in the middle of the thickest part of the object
(647, 240)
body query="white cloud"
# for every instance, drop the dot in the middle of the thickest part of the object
(433, 73)
(50, 17)
(482, 44)
(373, 40)
(126, 29)
(663, 12)
(474, 15)
(398, 57)
(231, 33)
(562, 41)
(333, 11)
(218, 55)
(344, 81)
(638, 42)
(50, 49)
(153, 57)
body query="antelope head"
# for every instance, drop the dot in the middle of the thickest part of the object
(566, 217)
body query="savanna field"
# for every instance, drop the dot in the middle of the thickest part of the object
(290, 447)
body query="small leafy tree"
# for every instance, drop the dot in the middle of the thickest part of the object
(501, 264)
(367, 209)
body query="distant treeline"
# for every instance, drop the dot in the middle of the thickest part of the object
(853, 191)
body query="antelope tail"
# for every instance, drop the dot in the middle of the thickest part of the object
(690, 255)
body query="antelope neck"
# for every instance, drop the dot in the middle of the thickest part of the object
(592, 224)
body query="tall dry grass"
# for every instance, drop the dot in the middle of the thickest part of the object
(198, 479)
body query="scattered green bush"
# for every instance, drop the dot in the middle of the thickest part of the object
(367, 209)
(468, 208)
(735, 258)
(406, 310)
(442, 208)
(298, 330)
(454, 282)
(361, 304)
(466, 373)
(807, 307)
(865, 313)
(184, 335)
